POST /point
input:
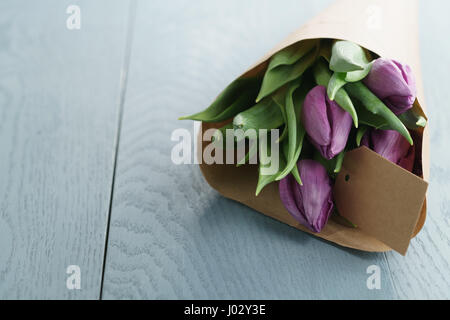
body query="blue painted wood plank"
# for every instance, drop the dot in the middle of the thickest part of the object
(424, 272)
(59, 97)
(171, 235)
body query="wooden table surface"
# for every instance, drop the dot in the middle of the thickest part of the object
(86, 178)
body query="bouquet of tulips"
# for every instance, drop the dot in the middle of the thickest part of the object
(326, 97)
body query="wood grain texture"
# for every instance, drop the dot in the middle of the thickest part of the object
(59, 97)
(424, 272)
(171, 235)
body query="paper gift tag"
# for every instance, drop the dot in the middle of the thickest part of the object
(381, 198)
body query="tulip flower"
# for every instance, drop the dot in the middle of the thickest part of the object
(310, 204)
(394, 83)
(327, 124)
(391, 146)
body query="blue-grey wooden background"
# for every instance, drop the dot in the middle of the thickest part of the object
(86, 178)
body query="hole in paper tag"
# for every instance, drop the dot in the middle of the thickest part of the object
(381, 198)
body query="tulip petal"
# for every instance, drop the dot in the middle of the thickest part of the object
(341, 124)
(393, 83)
(322, 76)
(315, 116)
(312, 203)
(392, 146)
(286, 188)
(316, 192)
(407, 162)
(327, 124)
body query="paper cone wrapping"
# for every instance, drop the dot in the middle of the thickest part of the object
(389, 29)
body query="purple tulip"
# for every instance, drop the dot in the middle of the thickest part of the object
(391, 145)
(327, 124)
(393, 83)
(312, 203)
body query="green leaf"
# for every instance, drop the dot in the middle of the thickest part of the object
(283, 135)
(295, 128)
(280, 99)
(368, 118)
(237, 97)
(360, 134)
(291, 166)
(253, 149)
(219, 137)
(264, 115)
(336, 82)
(325, 49)
(291, 123)
(350, 60)
(374, 105)
(338, 164)
(412, 120)
(347, 56)
(264, 180)
(342, 220)
(296, 175)
(294, 171)
(354, 76)
(333, 166)
(322, 75)
(279, 76)
(344, 101)
(291, 54)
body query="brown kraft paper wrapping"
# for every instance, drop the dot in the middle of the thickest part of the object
(389, 29)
